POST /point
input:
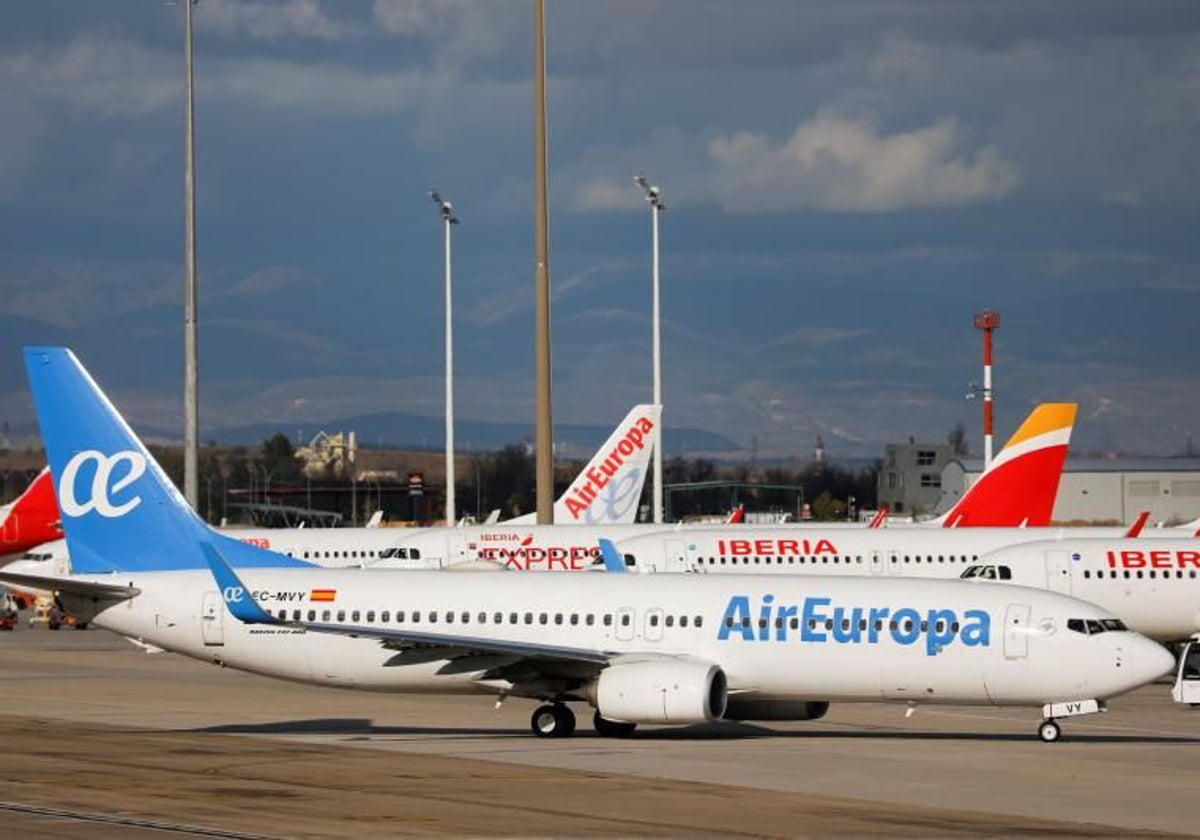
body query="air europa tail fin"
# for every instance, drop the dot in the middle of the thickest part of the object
(607, 490)
(119, 510)
(33, 518)
(1021, 485)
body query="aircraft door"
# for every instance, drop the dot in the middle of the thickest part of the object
(1058, 572)
(654, 625)
(456, 550)
(212, 619)
(625, 621)
(677, 558)
(1016, 631)
(1187, 676)
(876, 562)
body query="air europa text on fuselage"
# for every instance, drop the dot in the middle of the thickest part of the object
(814, 621)
(593, 480)
(771, 548)
(1179, 559)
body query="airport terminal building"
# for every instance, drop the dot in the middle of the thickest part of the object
(925, 479)
(1097, 491)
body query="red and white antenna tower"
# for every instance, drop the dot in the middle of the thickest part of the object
(988, 321)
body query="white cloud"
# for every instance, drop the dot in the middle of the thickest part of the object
(838, 163)
(267, 281)
(828, 163)
(272, 20)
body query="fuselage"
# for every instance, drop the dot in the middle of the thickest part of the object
(1152, 585)
(795, 638)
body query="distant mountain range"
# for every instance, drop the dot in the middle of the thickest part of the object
(412, 431)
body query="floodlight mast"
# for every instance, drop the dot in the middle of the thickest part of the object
(191, 398)
(654, 196)
(446, 210)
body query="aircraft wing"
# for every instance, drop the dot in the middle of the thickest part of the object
(459, 645)
(71, 586)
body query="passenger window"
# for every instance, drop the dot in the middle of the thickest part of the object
(325, 615)
(385, 617)
(558, 618)
(312, 615)
(699, 621)
(574, 619)
(341, 615)
(529, 618)
(543, 618)
(399, 616)
(449, 617)
(589, 620)
(465, 617)
(416, 616)
(354, 616)
(370, 616)
(608, 619)
(625, 620)
(295, 615)
(654, 620)
(683, 621)
(433, 616)
(498, 618)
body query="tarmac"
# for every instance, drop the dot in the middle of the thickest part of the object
(106, 739)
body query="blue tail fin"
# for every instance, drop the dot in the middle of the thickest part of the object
(120, 511)
(613, 561)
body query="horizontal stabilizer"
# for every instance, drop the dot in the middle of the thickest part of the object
(71, 586)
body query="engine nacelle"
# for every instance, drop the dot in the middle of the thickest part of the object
(660, 692)
(775, 709)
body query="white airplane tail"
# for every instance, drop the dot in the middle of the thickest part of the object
(607, 490)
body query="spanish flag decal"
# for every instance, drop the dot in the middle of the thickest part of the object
(323, 595)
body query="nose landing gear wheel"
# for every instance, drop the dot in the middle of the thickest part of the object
(606, 728)
(1049, 731)
(552, 721)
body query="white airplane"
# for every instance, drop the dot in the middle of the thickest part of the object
(1153, 585)
(1019, 488)
(672, 650)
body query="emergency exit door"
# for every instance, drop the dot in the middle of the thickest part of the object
(1016, 631)
(212, 619)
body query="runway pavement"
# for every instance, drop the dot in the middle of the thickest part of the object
(103, 737)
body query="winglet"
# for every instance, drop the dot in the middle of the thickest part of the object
(237, 598)
(613, 561)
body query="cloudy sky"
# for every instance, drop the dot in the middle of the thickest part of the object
(847, 183)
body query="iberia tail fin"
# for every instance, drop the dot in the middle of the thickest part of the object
(1021, 485)
(32, 519)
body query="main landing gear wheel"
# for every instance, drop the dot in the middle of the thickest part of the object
(1049, 731)
(552, 721)
(606, 728)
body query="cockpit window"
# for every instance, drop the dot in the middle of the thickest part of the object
(1092, 626)
(970, 572)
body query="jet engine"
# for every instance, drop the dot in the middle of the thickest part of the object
(660, 691)
(775, 709)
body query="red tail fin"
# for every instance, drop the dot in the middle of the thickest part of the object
(1135, 529)
(879, 518)
(1020, 487)
(33, 518)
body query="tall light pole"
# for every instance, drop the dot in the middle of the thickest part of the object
(654, 196)
(448, 219)
(543, 429)
(191, 411)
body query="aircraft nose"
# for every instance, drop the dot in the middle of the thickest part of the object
(1142, 660)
